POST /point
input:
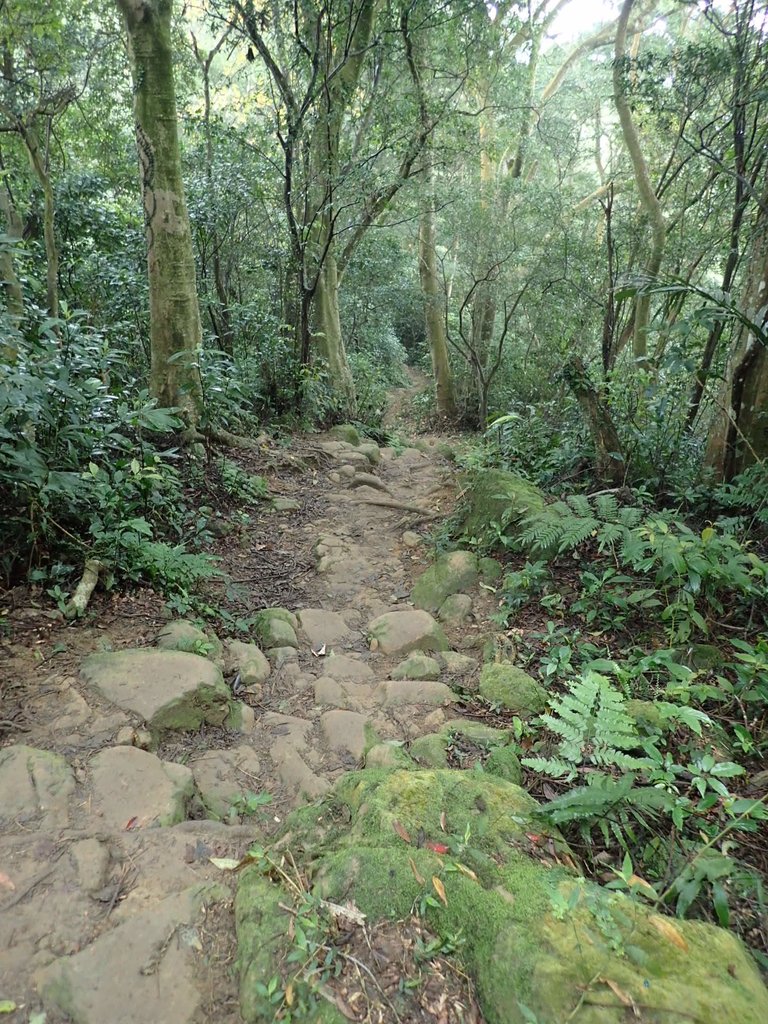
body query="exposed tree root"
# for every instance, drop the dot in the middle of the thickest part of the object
(77, 604)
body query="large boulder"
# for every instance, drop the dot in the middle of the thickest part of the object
(496, 496)
(452, 573)
(169, 689)
(539, 942)
(131, 785)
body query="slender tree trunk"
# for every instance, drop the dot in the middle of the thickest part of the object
(39, 166)
(175, 330)
(327, 336)
(14, 294)
(433, 314)
(609, 465)
(648, 197)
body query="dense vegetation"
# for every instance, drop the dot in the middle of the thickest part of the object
(570, 234)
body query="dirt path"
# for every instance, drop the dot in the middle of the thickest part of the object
(111, 910)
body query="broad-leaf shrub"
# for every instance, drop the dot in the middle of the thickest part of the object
(79, 462)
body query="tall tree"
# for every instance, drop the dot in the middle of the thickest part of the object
(175, 330)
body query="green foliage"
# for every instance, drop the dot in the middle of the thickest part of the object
(594, 729)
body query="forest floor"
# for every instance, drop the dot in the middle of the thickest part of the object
(99, 913)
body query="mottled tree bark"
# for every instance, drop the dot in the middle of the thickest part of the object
(14, 294)
(739, 436)
(648, 197)
(175, 330)
(609, 460)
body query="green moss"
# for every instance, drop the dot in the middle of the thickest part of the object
(452, 573)
(493, 495)
(345, 432)
(276, 627)
(430, 750)
(507, 685)
(489, 569)
(504, 763)
(517, 949)
(206, 704)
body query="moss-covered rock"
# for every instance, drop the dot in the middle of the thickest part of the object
(345, 432)
(493, 495)
(276, 627)
(182, 635)
(417, 666)
(504, 763)
(403, 632)
(455, 609)
(489, 569)
(512, 688)
(431, 750)
(452, 573)
(540, 944)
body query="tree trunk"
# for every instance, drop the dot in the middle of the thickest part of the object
(433, 314)
(327, 337)
(175, 330)
(609, 463)
(648, 197)
(39, 166)
(739, 437)
(14, 294)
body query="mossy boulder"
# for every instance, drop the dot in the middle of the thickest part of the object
(417, 666)
(493, 495)
(406, 631)
(504, 763)
(540, 943)
(345, 432)
(489, 569)
(512, 688)
(276, 627)
(455, 609)
(431, 750)
(182, 635)
(452, 573)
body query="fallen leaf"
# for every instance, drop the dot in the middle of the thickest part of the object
(440, 848)
(415, 871)
(532, 837)
(7, 1006)
(131, 824)
(319, 652)
(664, 927)
(6, 882)
(466, 871)
(443, 821)
(401, 832)
(439, 889)
(225, 863)
(636, 880)
(621, 995)
(289, 993)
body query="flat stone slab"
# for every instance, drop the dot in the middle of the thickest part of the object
(345, 731)
(343, 667)
(403, 632)
(34, 784)
(128, 783)
(417, 666)
(169, 689)
(396, 692)
(346, 694)
(323, 627)
(221, 776)
(143, 970)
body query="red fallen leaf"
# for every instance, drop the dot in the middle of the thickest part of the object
(401, 831)
(437, 847)
(533, 837)
(131, 824)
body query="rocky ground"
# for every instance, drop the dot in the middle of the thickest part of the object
(141, 759)
(127, 764)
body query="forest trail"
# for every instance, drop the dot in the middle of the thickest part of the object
(111, 910)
